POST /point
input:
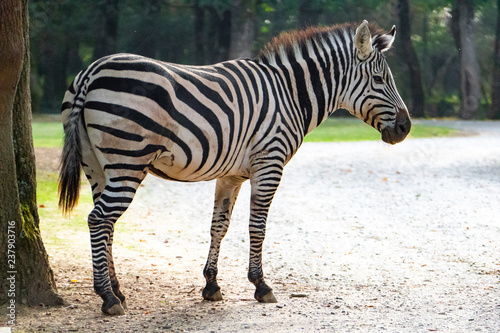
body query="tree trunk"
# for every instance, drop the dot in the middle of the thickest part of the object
(11, 53)
(494, 111)
(199, 26)
(24, 268)
(224, 35)
(463, 32)
(410, 57)
(243, 29)
(106, 28)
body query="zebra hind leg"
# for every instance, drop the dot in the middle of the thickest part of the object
(226, 192)
(110, 205)
(97, 180)
(115, 285)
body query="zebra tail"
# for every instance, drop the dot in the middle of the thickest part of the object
(71, 160)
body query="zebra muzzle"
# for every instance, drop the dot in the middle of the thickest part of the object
(400, 130)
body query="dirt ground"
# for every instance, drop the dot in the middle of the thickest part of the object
(362, 237)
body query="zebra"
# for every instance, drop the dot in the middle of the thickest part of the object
(126, 116)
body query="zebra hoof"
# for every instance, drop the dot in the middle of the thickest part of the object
(124, 305)
(268, 298)
(215, 297)
(115, 310)
(264, 293)
(212, 293)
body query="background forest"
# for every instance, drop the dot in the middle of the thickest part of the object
(445, 57)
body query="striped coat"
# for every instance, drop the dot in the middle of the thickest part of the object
(127, 115)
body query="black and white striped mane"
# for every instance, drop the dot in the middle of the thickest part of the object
(291, 41)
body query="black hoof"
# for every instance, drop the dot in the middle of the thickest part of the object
(115, 309)
(212, 293)
(264, 294)
(124, 305)
(121, 297)
(112, 306)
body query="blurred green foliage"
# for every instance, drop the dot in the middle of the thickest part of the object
(67, 35)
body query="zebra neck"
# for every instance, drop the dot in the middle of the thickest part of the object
(313, 78)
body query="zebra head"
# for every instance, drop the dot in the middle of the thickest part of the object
(373, 96)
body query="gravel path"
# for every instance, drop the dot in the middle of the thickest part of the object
(400, 238)
(362, 237)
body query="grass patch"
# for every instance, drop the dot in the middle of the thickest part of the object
(50, 134)
(47, 134)
(345, 129)
(56, 229)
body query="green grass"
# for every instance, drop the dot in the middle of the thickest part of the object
(47, 134)
(346, 129)
(50, 134)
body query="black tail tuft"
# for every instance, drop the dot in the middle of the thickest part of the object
(69, 174)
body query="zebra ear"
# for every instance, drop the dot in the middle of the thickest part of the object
(383, 43)
(363, 40)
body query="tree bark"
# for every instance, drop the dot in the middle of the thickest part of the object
(243, 29)
(24, 268)
(410, 57)
(11, 53)
(463, 32)
(494, 110)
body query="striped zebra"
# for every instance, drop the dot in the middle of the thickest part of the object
(127, 115)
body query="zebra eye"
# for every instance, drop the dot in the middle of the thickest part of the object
(378, 79)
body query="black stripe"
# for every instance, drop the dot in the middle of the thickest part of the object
(66, 105)
(125, 179)
(71, 88)
(120, 189)
(316, 81)
(304, 101)
(148, 150)
(125, 166)
(108, 199)
(346, 62)
(117, 133)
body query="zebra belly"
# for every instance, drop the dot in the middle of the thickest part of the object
(167, 167)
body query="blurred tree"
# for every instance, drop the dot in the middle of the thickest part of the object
(243, 28)
(410, 57)
(309, 12)
(494, 110)
(199, 23)
(462, 26)
(105, 26)
(20, 236)
(208, 31)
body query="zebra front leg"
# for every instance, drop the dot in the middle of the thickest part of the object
(226, 192)
(264, 185)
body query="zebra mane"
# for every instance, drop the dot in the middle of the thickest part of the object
(290, 41)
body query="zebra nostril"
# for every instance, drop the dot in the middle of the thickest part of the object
(401, 128)
(403, 123)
